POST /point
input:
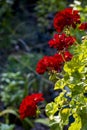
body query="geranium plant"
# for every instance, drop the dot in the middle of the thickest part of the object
(68, 70)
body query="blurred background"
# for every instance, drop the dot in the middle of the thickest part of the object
(25, 29)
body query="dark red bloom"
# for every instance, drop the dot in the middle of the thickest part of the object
(56, 62)
(65, 18)
(28, 106)
(67, 56)
(83, 26)
(37, 97)
(61, 41)
(49, 63)
(42, 65)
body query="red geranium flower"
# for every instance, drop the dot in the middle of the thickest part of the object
(28, 106)
(83, 26)
(67, 56)
(42, 65)
(61, 41)
(37, 97)
(56, 62)
(49, 63)
(65, 18)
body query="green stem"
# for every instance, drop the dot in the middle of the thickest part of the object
(29, 122)
(7, 118)
(62, 56)
(14, 112)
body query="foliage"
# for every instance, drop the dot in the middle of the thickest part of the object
(10, 86)
(82, 7)
(6, 127)
(20, 79)
(5, 22)
(72, 102)
(15, 29)
(17, 81)
(45, 10)
(71, 79)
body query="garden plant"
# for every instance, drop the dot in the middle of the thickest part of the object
(54, 97)
(67, 69)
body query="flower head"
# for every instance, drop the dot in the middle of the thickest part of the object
(28, 107)
(61, 41)
(49, 63)
(65, 18)
(83, 26)
(42, 65)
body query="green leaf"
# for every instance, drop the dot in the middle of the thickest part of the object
(60, 84)
(59, 100)
(51, 109)
(67, 68)
(11, 111)
(56, 126)
(44, 121)
(65, 115)
(84, 124)
(53, 77)
(76, 125)
(6, 127)
(84, 120)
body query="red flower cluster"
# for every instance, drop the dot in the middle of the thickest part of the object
(49, 63)
(83, 26)
(28, 106)
(61, 41)
(65, 18)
